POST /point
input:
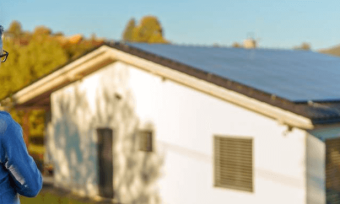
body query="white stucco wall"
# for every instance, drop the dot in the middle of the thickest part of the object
(184, 122)
(315, 170)
(316, 162)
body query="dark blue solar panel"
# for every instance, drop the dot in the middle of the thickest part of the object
(295, 75)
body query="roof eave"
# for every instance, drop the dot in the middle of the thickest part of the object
(195, 79)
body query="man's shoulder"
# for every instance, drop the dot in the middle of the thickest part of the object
(5, 121)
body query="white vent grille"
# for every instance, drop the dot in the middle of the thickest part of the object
(233, 160)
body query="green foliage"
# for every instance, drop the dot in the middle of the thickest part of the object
(149, 30)
(42, 31)
(128, 32)
(7, 74)
(42, 55)
(15, 29)
(75, 50)
(36, 121)
(236, 45)
(27, 63)
(31, 56)
(303, 46)
(335, 51)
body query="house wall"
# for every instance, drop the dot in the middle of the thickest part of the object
(184, 121)
(316, 162)
(315, 170)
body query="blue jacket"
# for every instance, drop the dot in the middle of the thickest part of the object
(18, 172)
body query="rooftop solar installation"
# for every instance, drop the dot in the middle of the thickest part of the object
(295, 75)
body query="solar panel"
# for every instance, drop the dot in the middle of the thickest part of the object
(295, 75)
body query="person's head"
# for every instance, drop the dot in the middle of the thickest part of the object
(3, 53)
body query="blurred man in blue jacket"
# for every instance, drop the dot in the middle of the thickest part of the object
(18, 172)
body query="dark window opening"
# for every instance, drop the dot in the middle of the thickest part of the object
(105, 162)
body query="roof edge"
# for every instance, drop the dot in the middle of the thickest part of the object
(204, 83)
(252, 99)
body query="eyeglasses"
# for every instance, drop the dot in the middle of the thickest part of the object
(4, 56)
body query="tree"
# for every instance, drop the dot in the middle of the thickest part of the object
(41, 56)
(303, 46)
(31, 57)
(6, 69)
(15, 29)
(42, 30)
(236, 45)
(128, 32)
(149, 30)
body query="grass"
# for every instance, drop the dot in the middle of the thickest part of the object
(50, 198)
(51, 195)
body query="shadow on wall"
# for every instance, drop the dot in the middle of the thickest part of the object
(74, 152)
(135, 172)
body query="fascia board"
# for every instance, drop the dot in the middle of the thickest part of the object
(66, 74)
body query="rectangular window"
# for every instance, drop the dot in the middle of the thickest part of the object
(145, 140)
(233, 163)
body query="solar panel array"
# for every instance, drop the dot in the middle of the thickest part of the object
(295, 75)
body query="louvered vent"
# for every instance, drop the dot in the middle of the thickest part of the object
(145, 140)
(333, 171)
(233, 158)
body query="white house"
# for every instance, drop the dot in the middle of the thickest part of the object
(142, 123)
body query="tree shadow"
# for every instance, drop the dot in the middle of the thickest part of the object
(73, 141)
(72, 151)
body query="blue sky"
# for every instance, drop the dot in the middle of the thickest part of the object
(277, 24)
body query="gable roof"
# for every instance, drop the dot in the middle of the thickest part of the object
(295, 75)
(323, 112)
(303, 82)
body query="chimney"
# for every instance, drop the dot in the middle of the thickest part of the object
(249, 43)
